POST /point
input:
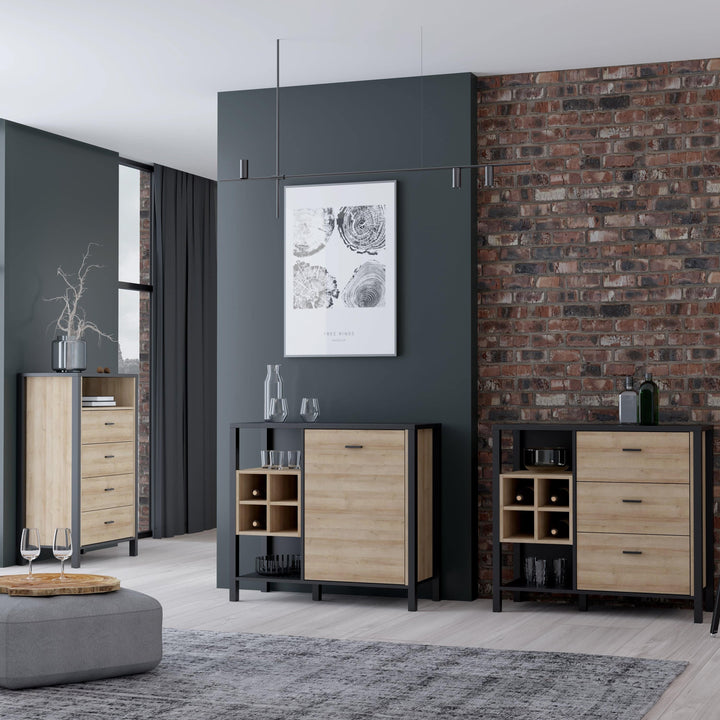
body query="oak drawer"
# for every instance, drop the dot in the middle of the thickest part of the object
(103, 425)
(107, 459)
(633, 563)
(106, 525)
(647, 508)
(658, 457)
(107, 491)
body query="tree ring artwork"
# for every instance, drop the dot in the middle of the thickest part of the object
(341, 270)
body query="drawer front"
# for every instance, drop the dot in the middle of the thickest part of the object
(354, 506)
(107, 491)
(98, 426)
(658, 457)
(633, 563)
(107, 459)
(647, 508)
(107, 525)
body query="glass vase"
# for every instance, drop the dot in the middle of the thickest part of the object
(273, 389)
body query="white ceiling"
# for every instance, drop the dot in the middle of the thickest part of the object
(141, 77)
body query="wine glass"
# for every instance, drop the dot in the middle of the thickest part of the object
(278, 409)
(62, 548)
(30, 547)
(309, 409)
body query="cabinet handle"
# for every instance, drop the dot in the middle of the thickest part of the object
(109, 522)
(632, 449)
(354, 447)
(108, 457)
(109, 423)
(632, 552)
(109, 489)
(631, 501)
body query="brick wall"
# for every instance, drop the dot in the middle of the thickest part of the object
(599, 252)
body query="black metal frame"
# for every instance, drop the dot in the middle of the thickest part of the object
(413, 585)
(702, 506)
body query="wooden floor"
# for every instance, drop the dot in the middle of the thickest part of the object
(180, 573)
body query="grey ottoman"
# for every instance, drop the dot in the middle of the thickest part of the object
(72, 638)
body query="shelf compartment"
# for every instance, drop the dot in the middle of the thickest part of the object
(547, 520)
(517, 525)
(251, 486)
(283, 487)
(284, 520)
(252, 519)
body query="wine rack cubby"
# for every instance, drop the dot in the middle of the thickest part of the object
(268, 502)
(536, 507)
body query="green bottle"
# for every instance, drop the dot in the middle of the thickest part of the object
(648, 401)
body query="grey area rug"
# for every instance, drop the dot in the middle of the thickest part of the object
(233, 676)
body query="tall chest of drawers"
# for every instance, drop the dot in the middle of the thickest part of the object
(640, 510)
(78, 464)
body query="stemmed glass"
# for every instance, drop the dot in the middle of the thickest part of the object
(309, 409)
(62, 548)
(30, 547)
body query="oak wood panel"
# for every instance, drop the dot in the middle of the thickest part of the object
(355, 506)
(424, 503)
(106, 525)
(48, 454)
(663, 565)
(614, 508)
(660, 457)
(99, 425)
(107, 491)
(107, 459)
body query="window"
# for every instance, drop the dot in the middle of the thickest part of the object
(134, 310)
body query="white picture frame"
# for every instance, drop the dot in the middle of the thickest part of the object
(341, 270)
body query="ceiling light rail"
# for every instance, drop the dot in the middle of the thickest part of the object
(488, 179)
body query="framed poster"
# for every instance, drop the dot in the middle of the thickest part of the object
(340, 270)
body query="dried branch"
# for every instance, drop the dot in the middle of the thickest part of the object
(72, 321)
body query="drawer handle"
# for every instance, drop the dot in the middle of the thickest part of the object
(109, 522)
(632, 449)
(108, 457)
(109, 489)
(631, 501)
(632, 552)
(109, 423)
(354, 447)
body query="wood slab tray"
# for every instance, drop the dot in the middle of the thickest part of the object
(47, 584)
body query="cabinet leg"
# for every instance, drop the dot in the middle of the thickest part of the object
(412, 598)
(583, 603)
(75, 558)
(716, 613)
(436, 589)
(698, 605)
(133, 551)
(317, 592)
(234, 591)
(497, 600)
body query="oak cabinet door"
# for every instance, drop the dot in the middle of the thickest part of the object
(355, 499)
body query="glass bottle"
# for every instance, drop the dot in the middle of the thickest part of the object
(273, 388)
(649, 401)
(628, 403)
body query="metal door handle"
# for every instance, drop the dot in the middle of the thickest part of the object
(109, 423)
(109, 522)
(632, 552)
(108, 457)
(109, 489)
(632, 449)
(631, 501)
(354, 447)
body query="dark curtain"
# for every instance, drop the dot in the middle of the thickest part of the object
(184, 364)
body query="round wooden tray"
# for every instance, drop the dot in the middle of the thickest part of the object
(46, 584)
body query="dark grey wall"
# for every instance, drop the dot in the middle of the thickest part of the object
(60, 195)
(375, 125)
